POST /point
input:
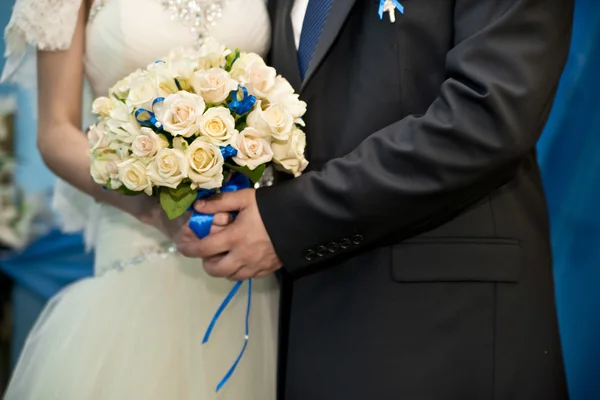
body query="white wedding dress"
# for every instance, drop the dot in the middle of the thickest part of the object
(135, 330)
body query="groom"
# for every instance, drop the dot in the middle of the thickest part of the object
(414, 253)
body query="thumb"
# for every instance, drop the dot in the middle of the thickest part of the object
(223, 202)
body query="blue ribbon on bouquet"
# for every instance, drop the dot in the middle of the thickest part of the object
(200, 224)
(147, 117)
(242, 105)
(396, 3)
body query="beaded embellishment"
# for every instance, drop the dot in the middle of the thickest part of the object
(198, 15)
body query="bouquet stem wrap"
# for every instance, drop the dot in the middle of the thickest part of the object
(200, 224)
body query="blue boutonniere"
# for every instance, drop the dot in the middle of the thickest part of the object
(390, 6)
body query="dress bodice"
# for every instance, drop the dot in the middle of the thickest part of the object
(125, 35)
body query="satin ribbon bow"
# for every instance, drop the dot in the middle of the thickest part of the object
(200, 224)
(147, 117)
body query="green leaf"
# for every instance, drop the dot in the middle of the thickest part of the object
(230, 59)
(176, 202)
(253, 174)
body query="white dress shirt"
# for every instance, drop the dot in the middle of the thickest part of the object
(298, 13)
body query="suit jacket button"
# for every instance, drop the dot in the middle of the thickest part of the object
(357, 239)
(345, 243)
(309, 255)
(333, 247)
(321, 251)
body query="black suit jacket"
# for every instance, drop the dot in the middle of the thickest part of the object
(416, 251)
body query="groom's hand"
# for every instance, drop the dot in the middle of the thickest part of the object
(240, 250)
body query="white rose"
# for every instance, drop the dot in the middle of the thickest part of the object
(214, 85)
(211, 54)
(148, 143)
(218, 126)
(132, 173)
(244, 64)
(172, 71)
(143, 91)
(259, 79)
(122, 124)
(121, 88)
(165, 82)
(289, 155)
(206, 164)
(283, 94)
(169, 168)
(98, 136)
(180, 114)
(103, 106)
(253, 148)
(99, 167)
(275, 120)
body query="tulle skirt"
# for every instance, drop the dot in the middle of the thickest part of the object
(137, 334)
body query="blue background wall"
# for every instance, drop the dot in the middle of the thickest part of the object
(569, 154)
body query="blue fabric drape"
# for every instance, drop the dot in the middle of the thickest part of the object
(48, 264)
(569, 154)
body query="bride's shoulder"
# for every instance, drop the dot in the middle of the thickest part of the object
(44, 24)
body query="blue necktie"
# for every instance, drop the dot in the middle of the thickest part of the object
(314, 20)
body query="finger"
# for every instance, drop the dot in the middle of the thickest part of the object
(262, 274)
(223, 202)
(225, 267)
(242, 274)
(216, 229)
(222, 219)
(213, 245)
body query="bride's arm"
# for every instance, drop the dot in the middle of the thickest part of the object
(62, 144)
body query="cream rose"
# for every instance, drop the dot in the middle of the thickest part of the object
(103, 106)
(275, 120)
(244, 64)
(143, 91)
(99, 167)
(253, 148)
(98, 136)
(218, 126)
(259, 79)
(148, 143)
(132, 173)
(289, 155)
(170, 168)
(206, 164)
(283, 95)
(214, 85)
(180, 114)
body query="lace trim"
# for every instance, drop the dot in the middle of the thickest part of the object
(37, 24)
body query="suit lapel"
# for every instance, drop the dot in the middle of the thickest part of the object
(337, 16)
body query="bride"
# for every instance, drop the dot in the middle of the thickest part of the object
(135, 330)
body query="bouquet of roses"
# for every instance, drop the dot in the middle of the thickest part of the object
(194, 121)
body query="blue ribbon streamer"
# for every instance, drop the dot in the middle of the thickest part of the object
(147, 117)
(243, 105)
(200, 224)
(396, 3)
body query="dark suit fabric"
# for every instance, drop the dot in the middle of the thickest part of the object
(416, 249)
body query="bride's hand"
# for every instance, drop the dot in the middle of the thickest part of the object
(149, 211)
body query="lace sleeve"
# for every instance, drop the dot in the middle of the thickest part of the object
(36, 24)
